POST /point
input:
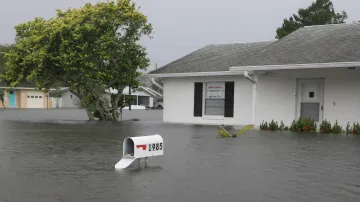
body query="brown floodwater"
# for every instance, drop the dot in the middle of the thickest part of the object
(55, 155)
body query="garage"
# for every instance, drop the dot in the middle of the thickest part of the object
(35, 100)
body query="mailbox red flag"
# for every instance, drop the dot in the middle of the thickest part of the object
(143, 146)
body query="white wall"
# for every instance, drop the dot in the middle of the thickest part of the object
(179, 101)
(276, 95)
(67, 102)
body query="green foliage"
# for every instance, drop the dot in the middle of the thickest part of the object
(244, 129)
(303, 125)
(3, 50)
(325, 127)
(89, 50)
(348, 128)
(225, 134)
(309, 125)
(336, 128)
(274, 126)
(264, 126)
(355, 129)
(320, 12)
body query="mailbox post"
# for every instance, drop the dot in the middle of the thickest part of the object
(140, 147)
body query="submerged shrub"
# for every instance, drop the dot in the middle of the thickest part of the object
(356, 129)
(325, 127)
(348, 128)
(264, 126)
(336, 128)
(274, 126)
(303, 125)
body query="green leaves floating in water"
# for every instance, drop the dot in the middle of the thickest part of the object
(225, 134)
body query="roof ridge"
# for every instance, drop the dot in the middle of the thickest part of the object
(332, 24)
(245, 42)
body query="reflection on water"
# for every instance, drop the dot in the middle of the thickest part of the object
(60, 160)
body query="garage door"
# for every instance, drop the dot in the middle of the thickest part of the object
(35, 100)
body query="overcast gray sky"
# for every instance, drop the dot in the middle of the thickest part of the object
(182, 26)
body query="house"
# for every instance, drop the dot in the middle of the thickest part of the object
(144, 96)
(64, 99)
(25, 96)
(313, 72)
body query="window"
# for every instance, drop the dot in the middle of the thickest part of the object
(311, 94)
(36, 96)
(40, 97)
(214, 98)
(28, 96)
(71, 96)
(32, 96)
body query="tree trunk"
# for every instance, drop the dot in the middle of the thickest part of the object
(81, 98)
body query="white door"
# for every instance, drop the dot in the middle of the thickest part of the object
(35, 100)
(310, 99)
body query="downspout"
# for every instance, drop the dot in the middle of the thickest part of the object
(252, 80)
(156, 83)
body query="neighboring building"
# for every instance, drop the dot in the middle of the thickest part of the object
(25, 96)
(65, 99)
(144, 97)
(313, 72)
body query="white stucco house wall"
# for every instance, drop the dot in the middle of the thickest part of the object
(313, 72)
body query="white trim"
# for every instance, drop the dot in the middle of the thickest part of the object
(188, 74)
(152, 91)
(156, 83)
(295, 66)
(252, 80)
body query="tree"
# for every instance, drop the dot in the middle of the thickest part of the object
(3, 50)
(2, 97)
(320, 12)
(89, 50)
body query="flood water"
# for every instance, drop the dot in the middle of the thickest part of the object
(54, 155)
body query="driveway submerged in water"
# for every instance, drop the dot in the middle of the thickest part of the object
(54, 155)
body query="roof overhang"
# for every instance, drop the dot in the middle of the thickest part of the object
(192, 74)
(295, 66)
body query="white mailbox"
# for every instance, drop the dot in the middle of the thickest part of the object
(140, 147)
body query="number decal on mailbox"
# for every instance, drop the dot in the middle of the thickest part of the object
(155, 146)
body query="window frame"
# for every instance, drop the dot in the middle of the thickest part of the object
(204, 115)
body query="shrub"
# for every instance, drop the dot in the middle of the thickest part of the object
(274, 126)
(325, 127)
(303, 125)
(336, 128)
(348, 129)
(264, 126)
(282, 126)
(356, 129)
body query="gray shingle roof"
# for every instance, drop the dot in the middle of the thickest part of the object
(313, 44)
(212, 58)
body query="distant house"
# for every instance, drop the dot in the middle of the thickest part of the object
(65, 99)
(313, 72)
(25, 96)
(144, 96)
